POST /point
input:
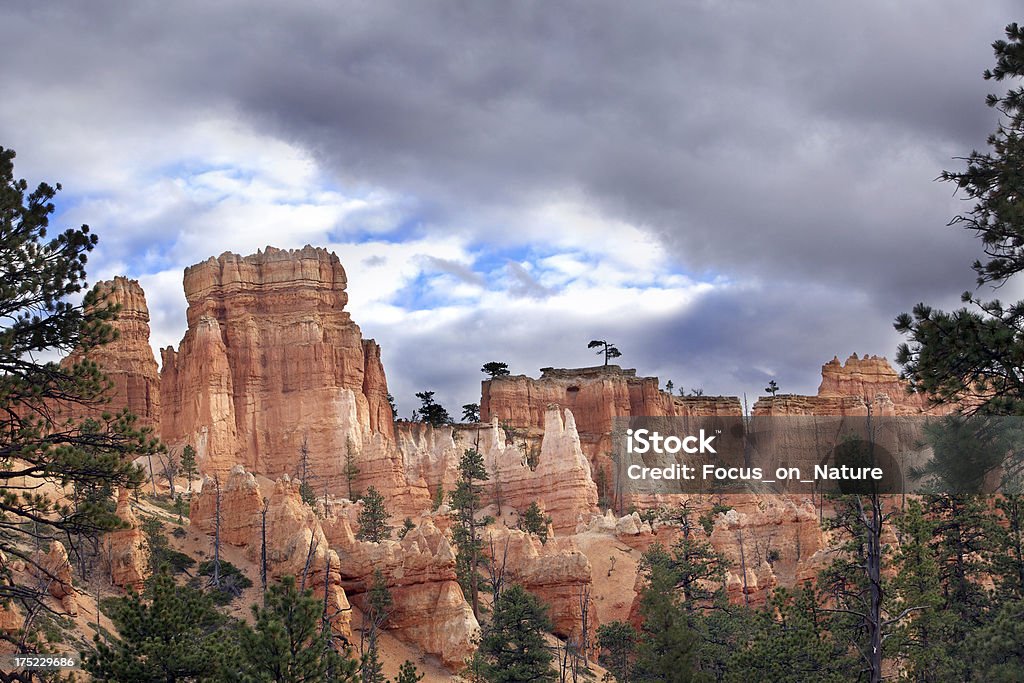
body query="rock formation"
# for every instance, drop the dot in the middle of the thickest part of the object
(53, 570)
(595, 395)
(556, 572)
(554, 473)
(428, 607)
(125, 550)
(272, 363)
(128, 360)
(295, 541)
(850, 388)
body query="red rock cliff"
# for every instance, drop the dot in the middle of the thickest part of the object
(271, 360)
(595, 396)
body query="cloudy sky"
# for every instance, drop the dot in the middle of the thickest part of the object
(730, 191)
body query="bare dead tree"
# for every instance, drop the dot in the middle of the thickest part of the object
(327, 584)
(743, 565)
(584, 597)
(496, 571)
(309, 559)
(169, 466)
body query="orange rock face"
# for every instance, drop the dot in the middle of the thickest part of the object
(556, 572)
(295, 541)
(128, 360)
(559, 479)
(429, 608)
(850, 388)
(54, 570)
(125, 550)
(270, 361)
(595, 396)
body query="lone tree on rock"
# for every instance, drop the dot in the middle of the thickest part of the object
(772, 388)
(471, 412)
(607, 349)
(495, 369)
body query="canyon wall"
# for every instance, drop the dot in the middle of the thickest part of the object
(596, 396)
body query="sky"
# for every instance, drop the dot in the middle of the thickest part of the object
(730, 192)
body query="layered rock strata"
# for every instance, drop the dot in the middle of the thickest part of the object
(128, 360)
(855, 388)
(428, 608)
(272, 366)
(556, 572)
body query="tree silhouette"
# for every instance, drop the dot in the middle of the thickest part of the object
(495, 369)
(772, 387)
(471, 412)
(607, 349)
(430, 411)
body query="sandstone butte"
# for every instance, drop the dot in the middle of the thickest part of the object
(272, 366)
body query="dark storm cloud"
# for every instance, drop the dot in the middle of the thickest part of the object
(799, 136)
(791, 143)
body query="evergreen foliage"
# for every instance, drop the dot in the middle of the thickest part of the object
(177, 636)
(513, 646)
(495, 369)
(977, 353)
(534, 521)
(288, 642)
(465, 502)
(91, 457)
(431, 411)
(373, 518)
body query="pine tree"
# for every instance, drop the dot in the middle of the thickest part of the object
(287, 643)
(513, 645)
(430, 411)
(378, 611)
(996, 650)
(605, 348)
(534, 521)
(790, 644)
(667, 650)
(373, 518)
(465, 502)
(471, 412)
(188, 464)
(178, 636)
(91, 457)
(495, 369)
(1008, 559)
(408, 673)
(973, 354)
(924, 640)
(618, 639)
